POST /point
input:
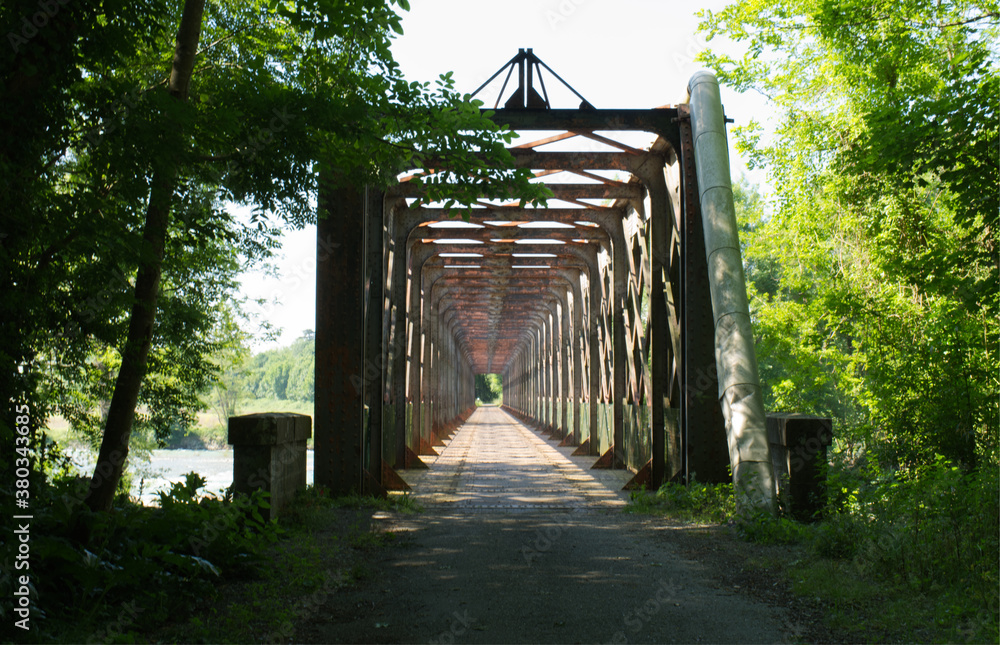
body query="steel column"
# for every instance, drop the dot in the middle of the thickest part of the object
(340, 335)
(372, 374)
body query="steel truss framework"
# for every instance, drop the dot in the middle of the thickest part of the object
(602, 329)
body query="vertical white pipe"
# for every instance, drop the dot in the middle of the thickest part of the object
(739, 383)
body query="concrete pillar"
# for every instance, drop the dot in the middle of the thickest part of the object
(798, 455)
(269, 454)
(739, 383)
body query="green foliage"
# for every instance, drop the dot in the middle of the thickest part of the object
(312, 500)
(86, 567)
(927, 540)
(935, 530)
(324, 548)
(695, 502)
(283, 373)
(277, 88)
(921, 546)
(402, 503)
(489, 389)
(74, 190)
(873, 268)
(229, 388)
(764, 528)
(872, 276)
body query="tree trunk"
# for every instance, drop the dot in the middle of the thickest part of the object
(121, 413)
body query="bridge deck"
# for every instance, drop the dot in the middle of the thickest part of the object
(495, 463)
(521, 543)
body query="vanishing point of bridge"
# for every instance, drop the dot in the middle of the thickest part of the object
(617, 316)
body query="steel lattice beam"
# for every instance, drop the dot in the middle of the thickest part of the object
(594, 314)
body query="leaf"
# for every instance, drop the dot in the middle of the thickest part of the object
(204, 564)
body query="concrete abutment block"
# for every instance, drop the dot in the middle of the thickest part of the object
(798, 444)
(269, 453)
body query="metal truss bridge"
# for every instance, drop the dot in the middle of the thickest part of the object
(617, 316)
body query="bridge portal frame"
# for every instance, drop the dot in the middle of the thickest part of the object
(643, 325)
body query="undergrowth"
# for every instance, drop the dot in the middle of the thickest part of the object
(910, 556)
(129, 575)
(326, 546)
(102, 577)
(696, 502)
(312, 498)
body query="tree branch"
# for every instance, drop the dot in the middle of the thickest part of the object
(985, 16)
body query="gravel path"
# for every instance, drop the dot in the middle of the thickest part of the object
(521, 543)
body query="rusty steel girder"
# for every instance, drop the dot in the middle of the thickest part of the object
(591, 310)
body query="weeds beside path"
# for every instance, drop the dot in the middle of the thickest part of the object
(329, 547)
(850, 576)
(526, 543)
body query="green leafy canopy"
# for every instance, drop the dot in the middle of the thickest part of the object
(873, 264)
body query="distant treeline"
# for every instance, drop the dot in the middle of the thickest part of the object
(288, 373)
(283, 373)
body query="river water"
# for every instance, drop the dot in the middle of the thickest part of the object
(168, 466)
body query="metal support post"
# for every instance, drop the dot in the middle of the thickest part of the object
(340, 336)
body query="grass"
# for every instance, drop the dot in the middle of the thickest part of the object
(868, 608)
(696, 502)
(395, 502)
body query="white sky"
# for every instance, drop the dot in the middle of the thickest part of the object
(616, 53)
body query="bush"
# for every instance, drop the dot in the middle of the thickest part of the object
(133, 567)
(767, 529)
(937, 527)
(837, 537)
